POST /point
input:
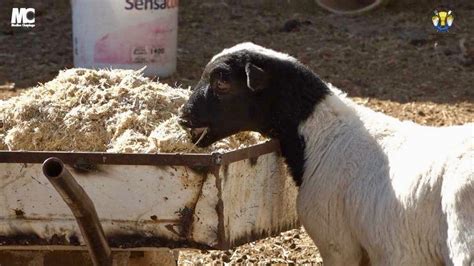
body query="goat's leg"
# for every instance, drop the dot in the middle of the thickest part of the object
(340, 250)
(352, 257)
(458, 207)
(334, 241)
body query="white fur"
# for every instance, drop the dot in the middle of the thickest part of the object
(397, 192)
(402, 192)
(248, 46)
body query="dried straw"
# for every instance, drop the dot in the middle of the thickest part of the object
(104, 110)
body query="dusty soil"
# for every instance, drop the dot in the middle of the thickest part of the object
(391, 60)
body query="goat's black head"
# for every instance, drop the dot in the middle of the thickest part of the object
(251, 88)
(233, 95)
(248, 87)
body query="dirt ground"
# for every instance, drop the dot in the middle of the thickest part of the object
(391, 60)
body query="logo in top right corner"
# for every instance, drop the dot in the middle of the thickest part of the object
(442, 19)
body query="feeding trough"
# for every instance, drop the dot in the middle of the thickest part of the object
(214, 201)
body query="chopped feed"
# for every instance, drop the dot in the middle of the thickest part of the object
(292, 247)
(103, 110)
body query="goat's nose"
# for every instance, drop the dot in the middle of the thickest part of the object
(184, 122)
(184, 114)
(184, 118)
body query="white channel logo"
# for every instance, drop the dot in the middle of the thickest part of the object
(20, 17)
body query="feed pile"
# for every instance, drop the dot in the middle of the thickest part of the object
(103, 110)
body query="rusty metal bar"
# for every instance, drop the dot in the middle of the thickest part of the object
(72, 158)
(252, 152)
(83, 209)
(175, 159)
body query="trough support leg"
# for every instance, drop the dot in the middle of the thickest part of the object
(82, 208)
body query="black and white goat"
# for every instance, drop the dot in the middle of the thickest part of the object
(372, 189)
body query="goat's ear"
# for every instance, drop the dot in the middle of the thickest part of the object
(257, 78)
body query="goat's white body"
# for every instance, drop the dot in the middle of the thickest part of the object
(402, 192)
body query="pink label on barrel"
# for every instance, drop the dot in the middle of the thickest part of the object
(141, 43)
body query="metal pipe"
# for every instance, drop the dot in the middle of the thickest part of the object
(350, 7)
(82, 208)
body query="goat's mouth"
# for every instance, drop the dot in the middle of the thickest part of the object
(203, 135)
(200, 134)
(198, 131)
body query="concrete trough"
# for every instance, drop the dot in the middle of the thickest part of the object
(208, 201)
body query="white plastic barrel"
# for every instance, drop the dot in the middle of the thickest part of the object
(127, 34)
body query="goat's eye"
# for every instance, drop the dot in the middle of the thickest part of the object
(222, 86)
(220, 81)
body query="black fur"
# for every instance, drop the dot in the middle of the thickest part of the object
(290, 95)
(298, 91)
